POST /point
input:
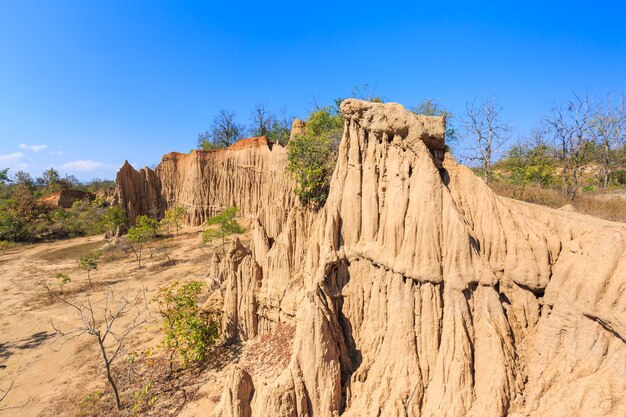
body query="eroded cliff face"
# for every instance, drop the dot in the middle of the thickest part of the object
(138, 192)
(248, 175)
(422, 293)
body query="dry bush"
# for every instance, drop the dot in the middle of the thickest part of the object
(594, 205)
(609, 208)
(531, 194)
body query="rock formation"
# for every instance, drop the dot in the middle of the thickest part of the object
(108, 195)
(425, 294)
(415, 290)
(297, 128)
(65, 198)
(139, 192)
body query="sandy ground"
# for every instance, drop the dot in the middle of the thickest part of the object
(32, 360)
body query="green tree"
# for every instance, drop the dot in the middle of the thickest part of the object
(22, 217)
(97, 184)
(4, 176)
(114, 217)
(175, 216)
(144, 231)
(227, 225)
(50, 181)
(205, 142)
(24, 179)
(89, 262)
(312, 156)
(13, 228)
(188, 332)
(529, 162)
(89, 215)
(67, 222)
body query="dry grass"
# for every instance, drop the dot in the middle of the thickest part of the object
(592, 204)
(609, 209)
(531, 194)
(72, 251)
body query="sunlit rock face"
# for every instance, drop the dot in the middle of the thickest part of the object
(248, 174)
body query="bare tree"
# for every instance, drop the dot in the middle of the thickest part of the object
(262, 120)
(101, 321)
(608, 128)
(3, 395)
(486, 132)
(569, 125)
(224, 131)
(281, 127)
(5, 392)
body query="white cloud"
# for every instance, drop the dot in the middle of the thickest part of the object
(85, 165)
(34, 148)
(11, 158)
(58, 153)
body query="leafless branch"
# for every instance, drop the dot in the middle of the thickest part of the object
(486, 132)
(4, 395)
(101, 320)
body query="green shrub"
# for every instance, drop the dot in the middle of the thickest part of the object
(62, 279)
(113, 218)
(188, 331)
(89, 262)
(227, 225)
(144, 231)
(174, 217)
(4, 246)
(312, 156)
(618, 178)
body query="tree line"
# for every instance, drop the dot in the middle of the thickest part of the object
(579, 144)
(24, 217)
(224, 130)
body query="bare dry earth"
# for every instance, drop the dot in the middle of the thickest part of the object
(51, 378)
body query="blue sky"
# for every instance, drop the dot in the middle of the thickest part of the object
(85, 85)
